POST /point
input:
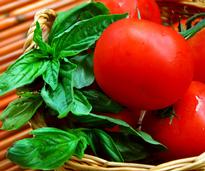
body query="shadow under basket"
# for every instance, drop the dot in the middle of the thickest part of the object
(171, 10)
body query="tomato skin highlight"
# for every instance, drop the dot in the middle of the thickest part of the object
(149, 9)
(185, 136)
(142, 65)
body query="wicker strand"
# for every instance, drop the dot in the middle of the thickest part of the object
(92, 163)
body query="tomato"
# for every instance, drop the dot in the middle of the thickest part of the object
(149, 9)
(185, 136)
(197, 45)
(142, 65)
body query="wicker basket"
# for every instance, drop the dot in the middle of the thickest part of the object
(171, 10)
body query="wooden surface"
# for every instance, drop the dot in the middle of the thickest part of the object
(15, 19)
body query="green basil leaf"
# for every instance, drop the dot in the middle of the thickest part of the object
(82, 35)
(99, 121)
(50, 76)
(24, 91)
(23, 71)
(39, 40)
(80, 103)
(64, 98)
(81, 12)
(61, 98)
(129, 147)
(101, 103)
(58, 99)
(82, 145)
(83, 75)
(20, 111)
(103, 145)
(49, 149)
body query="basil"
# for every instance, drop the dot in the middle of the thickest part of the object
(62, 97)
(20, 111)
(48, 149)
(99, 140)
(66, 19)
(82, 35)
(50, 76)
(23, 71)
(83, 75)
(38, 38)
(102, 103)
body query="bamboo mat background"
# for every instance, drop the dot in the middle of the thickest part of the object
(15, 19)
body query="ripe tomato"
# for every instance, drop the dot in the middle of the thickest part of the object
(149, 9)
(185, 136)
(142, 65)
(197, 45)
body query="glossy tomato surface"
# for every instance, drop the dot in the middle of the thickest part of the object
(142, 65)
(149, 9)
(185, 136)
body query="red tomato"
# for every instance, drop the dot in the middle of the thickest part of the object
(149, 9)
(142, 65)
(185, 136)
(197, 45)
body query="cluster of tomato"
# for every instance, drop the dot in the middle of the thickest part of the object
(147, 66)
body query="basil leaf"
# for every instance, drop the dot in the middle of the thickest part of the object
(82, 145)
(101, 103)
(50, 76)
(83, 75)
(129, 147)
(62, 97)
(103, 145)
(58, 99)
(82, 35)
(23, 71)
(81, 12)
(39, 40)
(20, 111)
(80, 103)
(49, 149)
(99, 121)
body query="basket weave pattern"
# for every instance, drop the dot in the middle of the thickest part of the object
(182, 8)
